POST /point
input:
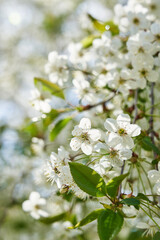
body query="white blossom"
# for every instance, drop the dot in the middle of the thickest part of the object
(84, 136)
(56, 68)
(34, 205)
(121, 131)
(150, 226)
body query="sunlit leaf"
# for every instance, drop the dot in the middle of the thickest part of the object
(88, 180)
(104, 26)
(45, 85)
(58, 127)
(113, 185)
(87, 42)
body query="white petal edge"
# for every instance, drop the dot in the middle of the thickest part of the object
(75, 143)
(94, 134)
(111, 125)
(85, 123)
(86, 148)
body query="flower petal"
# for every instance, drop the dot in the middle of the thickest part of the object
(116, 162)
(27, 206)
(111, 125)
(127, 142)
(123, 120)
(154, 176)
(42, 213)
(75, 143)
(35, 214)
(143, 225)
(34, 197)
(85, 123)
(94, 134)
(77, 131)
(42, 201)
(113, 139)
(104, 161)
(125, 154)
(100, 169)
(86, 148)
(133, 130)
(152, 76)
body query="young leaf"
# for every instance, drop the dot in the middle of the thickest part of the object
(131, 201)
(113, 185)
(109, 224)
(87, 179)
(100, 26)
(58, 127)
(46, 85)
(89, 218)
(52, 219)
(112, 27)
(87, 42)
(50, 117)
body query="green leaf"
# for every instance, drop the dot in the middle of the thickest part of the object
(148, 145)
(45, 85)
(100, 26)
(87, 179)
(58, 127)
(143, 197)
(87, 42)
(112, 27)
(50, 117)
(155, 161)
(113, 185)
(52, 219)
(103, 26)
(109, 224)
(156, 236)
(131, 201)
(89, 218)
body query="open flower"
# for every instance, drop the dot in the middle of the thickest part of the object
(113, 157)
(150, 227)
(121, 131)
(56, 68)
(34, 204)
(84, 136)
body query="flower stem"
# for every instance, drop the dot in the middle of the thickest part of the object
(150, 217)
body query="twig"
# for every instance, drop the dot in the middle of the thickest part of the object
(88, 107)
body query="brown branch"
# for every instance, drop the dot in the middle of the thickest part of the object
(88, 107)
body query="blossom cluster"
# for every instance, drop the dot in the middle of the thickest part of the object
(113, 76)
(113, 150)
